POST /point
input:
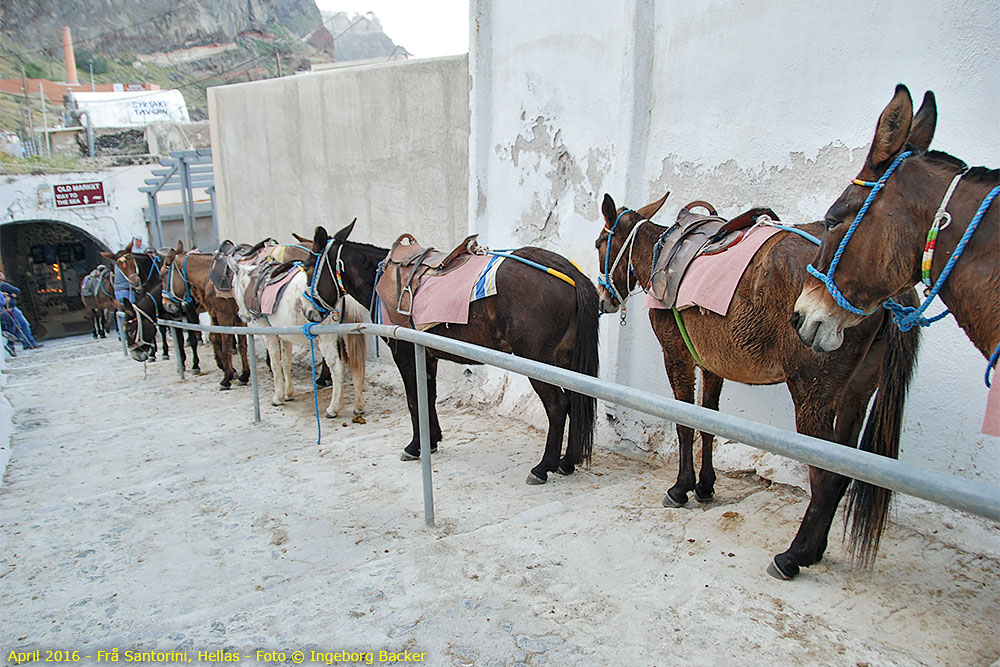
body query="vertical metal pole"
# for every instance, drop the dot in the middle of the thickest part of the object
(45, 120)
(177, 351)
(252, 354)
(120, 318)
(185, 178)
(154, 215)
(423, 415)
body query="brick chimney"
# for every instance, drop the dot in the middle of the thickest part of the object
(67, 40)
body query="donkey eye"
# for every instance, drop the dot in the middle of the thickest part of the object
(832, 222)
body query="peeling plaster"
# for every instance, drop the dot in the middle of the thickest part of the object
(540, 149)
(798, 190)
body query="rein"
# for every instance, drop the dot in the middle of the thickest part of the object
(170, 284)
(312, 294)
(606, 281)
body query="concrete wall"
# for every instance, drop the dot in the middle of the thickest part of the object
(29, 199)
(739, 103)
(386, 143)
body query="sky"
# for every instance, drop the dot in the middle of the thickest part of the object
(426, 29)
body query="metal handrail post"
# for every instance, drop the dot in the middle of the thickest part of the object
(178, 351)
(252, 354)
(120, 319)
(423, 418)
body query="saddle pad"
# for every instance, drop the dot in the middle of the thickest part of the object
(991, 422)
(91, 285)
(271, 293)
(711, 280)
(446, 298)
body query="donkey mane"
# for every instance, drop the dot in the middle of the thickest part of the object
(973, 175)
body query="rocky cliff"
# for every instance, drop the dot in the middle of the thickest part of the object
(126, 26)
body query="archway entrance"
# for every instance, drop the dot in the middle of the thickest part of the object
(47, 260)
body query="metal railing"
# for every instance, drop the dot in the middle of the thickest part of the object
(969, 496)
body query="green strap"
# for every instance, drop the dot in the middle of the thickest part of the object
(684, 335)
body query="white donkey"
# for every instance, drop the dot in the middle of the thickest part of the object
(297, 307)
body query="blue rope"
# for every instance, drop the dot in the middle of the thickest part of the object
(795, 230)
(907, 317)
(992, 362)
(311, 337)
(827, 278)
(605, 281)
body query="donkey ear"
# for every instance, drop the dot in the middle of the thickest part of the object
(342, 235)
(108, 256)
(320, 239)
(892, 129)
(128, 248)
(924, 123)
(649, 210)
(301, 239)
(170, 256)
(608, 208)
(117, 304)
(180, 247)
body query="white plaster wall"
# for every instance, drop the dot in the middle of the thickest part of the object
(385, 143)
(739, 103)
(29, 198)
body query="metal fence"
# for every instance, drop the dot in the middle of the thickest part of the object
(962, 494)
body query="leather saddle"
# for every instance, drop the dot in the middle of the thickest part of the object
(274, 275)
(221, 272)
(92, 282)
(691, 236)
(408, 264)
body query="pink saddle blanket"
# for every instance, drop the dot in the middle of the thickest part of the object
(271, 294)
(991, 422)
(711, 280)
(446, 298)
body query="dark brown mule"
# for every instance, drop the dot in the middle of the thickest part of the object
(883, 257)
(186, 274)
(756, 344)
(98, 297)
(142, 269)
(532, 315)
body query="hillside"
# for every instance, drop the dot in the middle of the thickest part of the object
(187, 44)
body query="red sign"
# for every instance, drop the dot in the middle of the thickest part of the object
(79, 194)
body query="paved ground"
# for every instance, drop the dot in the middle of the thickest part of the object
(145, 514)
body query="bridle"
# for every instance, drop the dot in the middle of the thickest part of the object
(170, 284)
(334, 268)
(907, 317)
(140, 341)
(607, 281)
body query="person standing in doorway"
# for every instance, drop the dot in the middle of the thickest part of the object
(12, 318)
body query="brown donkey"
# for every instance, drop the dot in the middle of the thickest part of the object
(185, 275)
(883, 257)
(756, 344)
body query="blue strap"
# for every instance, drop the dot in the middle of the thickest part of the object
(992, 362)
(311, 337)
(795, 230)
(907, 317)
(827, 278)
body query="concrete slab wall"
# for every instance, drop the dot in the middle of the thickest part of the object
(385, 143)
(739, 103)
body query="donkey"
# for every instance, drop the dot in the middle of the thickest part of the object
(755, 344)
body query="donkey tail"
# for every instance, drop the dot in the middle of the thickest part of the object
(582, 408)
(867, 504)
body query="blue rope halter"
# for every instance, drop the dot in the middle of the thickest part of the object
(170, 284)
(906, 317)
(605, 280)
(827, 278)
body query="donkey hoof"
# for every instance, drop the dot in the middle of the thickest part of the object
(534, 480)
(669, 501)
(195, 371)
(704, 497)
(329, 415)
(564, 468)
(406, 456)
(777, 572)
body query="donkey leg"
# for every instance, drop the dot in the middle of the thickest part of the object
(241, 345)
(813, 418)
(403, 354)
(286, 369)
(356, 354)
(163, 337)
(193, 344)
(274, 351)
(681, 374)
(711, 389)
(330, 354)
(556, 404)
